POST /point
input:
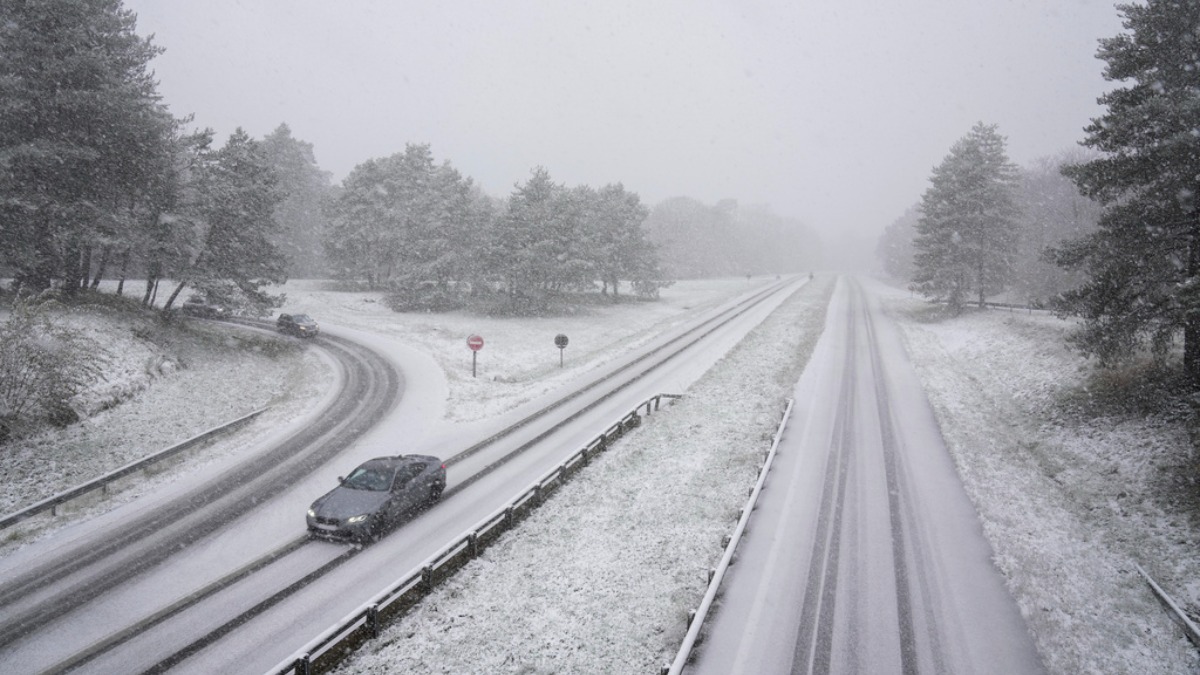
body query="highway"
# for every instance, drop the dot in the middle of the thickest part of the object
(220, 578)
(864, 554)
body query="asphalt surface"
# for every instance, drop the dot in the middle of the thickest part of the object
(865, 554)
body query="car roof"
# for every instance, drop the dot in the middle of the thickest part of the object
(398, 461)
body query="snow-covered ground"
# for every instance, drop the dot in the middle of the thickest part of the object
(175, 382)
(160, 385)
(1070, 501)
(619, 555)
(601, 578)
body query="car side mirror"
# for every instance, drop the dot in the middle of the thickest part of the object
(341, 480)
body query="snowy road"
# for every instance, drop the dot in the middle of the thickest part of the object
(271, 635)
(864, 554)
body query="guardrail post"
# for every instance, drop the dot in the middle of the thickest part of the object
(427, 577)
(537, 494)
(473, 543)
(508, 517)
(302, 665)
(373, 620)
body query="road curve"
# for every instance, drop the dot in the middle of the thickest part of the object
(107, 558)
(865, 554)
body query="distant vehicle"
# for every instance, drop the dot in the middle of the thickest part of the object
(300, 325)
(197, 306)
(375, 496)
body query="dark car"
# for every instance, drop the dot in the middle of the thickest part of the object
(375, 496)
(197, 306)
(300, 325)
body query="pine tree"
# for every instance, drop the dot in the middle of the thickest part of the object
(617, 244)
(83, 136)
(966, 236)
(1143, 264)
(305, 187)
(234, 228)
(404, 222)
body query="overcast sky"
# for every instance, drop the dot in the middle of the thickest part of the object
(834, 112)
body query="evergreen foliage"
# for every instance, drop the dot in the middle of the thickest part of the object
(305, 188)
(895, 247)
(83, 136)
(1143, 264)
(1052, 211)
(966, 235)
(233, 227)
(95, 172)
(404, 223)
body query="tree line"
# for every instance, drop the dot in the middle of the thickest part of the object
(434, 240)
(1110, 235)
(99, 180)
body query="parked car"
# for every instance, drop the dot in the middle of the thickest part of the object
(375, 496)
(197, 306)
(300, 325)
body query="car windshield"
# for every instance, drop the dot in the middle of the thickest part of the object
(301, 318)
(369, 478)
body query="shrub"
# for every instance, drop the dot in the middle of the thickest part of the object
(42, 367)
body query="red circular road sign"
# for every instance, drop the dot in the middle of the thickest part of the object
(475, 342)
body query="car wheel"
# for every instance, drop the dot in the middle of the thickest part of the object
(374, 531)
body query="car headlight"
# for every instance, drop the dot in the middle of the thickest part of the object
(356, 519)
(312, 513)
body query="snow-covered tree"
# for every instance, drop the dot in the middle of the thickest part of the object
(83, 136)
(231, 254)
(617, 243)
(1051, 212)
(967, 235)
(895, 246)
(536, 244)
(1143, 264)
(405, 223)
(695, 240)
(305, 188)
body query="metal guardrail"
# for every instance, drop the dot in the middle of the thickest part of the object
(51, 503)
(696, 618)
(323, 652)
(1185, 622)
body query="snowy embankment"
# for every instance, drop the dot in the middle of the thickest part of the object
(1070, 499)
(160, 385)
(600, 579)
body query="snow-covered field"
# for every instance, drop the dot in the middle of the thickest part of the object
(600, 578)
(519, 361)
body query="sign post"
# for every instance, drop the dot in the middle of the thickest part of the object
(560, 341)
(475, 343)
